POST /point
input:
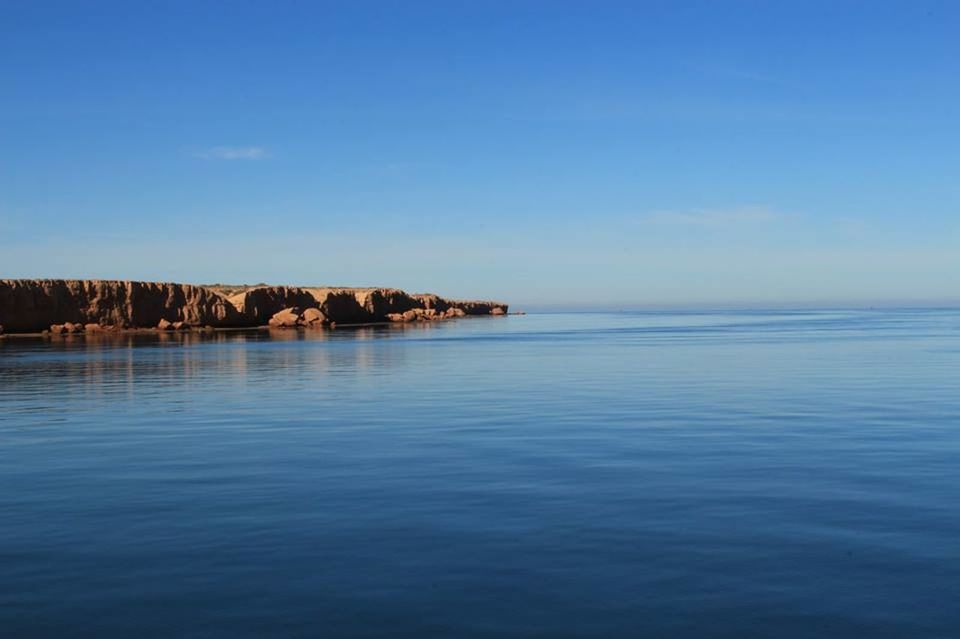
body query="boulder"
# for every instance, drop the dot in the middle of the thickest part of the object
(313, 317)
(92, 328)
(411, 315)
(179, 326)
(57, 329)
(287, 318)
(164, 325)
(498, 310)
(70, 327)
(395, 317)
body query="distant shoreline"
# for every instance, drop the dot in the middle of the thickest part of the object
(66, 307)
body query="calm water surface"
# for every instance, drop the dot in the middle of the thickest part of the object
(749, 474)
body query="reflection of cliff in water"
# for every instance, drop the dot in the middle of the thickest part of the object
(71, 369)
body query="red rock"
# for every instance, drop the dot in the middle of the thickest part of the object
(164, 325)
(312, 317)
(287, 318)
(32, 305)
(259, 303)
(57, 329)
(91, 328)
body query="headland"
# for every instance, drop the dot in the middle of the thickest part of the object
(77, 306)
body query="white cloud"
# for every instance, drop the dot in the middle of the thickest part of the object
(234, 153)
(716, 217)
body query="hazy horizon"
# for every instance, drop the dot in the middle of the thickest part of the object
(585, 154)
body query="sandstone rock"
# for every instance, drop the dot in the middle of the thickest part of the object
(395, 317)
(164, 325)
(312, 317)
(179, 326)
(429, 300)
(287, 318)
(478, 307)
(32, 305)
(259, 304)
(92, 328)
(362, 305)
(355, 305)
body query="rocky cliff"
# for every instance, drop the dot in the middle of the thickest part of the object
(33, 305)
(28, 306)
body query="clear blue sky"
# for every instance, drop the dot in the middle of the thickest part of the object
(624, 153)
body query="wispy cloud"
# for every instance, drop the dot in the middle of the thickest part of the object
(234, 153)
(716, 218)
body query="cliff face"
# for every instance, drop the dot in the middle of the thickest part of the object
(28, 306)
(258, 305)
(362, 305)
(33, 305)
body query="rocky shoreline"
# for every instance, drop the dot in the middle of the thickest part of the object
(87, 306)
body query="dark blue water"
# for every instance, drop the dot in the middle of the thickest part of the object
(788, 474)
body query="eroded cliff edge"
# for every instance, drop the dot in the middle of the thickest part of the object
(32, 306)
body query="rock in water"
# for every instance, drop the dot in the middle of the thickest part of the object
(313, 317)
(287, 318)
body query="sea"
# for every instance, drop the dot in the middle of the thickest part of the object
(736, 474)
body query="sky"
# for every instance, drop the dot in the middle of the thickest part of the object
(547, 153)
